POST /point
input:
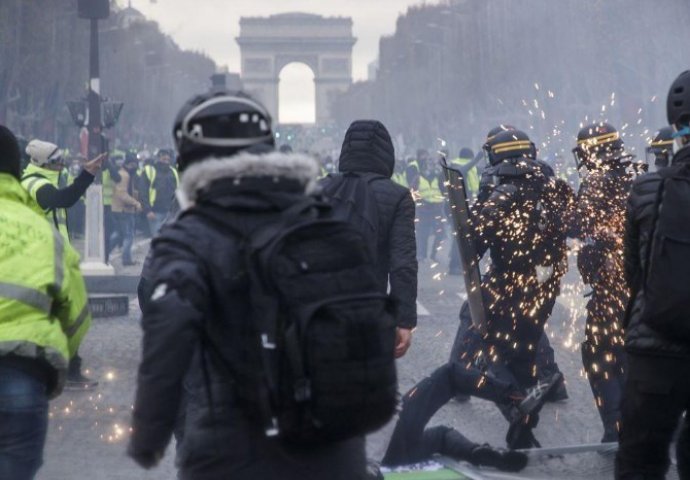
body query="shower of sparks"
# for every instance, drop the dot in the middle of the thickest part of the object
(110, 421)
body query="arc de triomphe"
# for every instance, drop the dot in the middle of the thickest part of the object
(267, 44)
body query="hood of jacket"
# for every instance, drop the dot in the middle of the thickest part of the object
(248, 173)
(367, 147)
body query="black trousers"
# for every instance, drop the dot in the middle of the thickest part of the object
(410, 442)
(603, 355)
(107, 229)
(468, 343)
(655, 396)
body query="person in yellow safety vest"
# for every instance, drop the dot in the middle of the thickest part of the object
(43, 317)
(426, 187)
(110, 177)
(45, 184)
(158, 185)
(399, 175)
(466, 163)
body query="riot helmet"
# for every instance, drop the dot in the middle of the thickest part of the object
(660, 149)
(597, 144)
(221, 123)
(490, 139)
(511, 144)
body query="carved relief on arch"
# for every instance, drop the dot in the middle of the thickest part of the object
(340, 66)
(257, 65)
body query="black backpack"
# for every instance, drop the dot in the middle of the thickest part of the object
(667, 273)
(353, 201)
(320, 366)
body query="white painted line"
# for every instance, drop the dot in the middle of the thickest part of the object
(421, 310)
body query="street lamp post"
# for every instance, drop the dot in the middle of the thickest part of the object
(93, 262)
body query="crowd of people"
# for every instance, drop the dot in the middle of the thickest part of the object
(277, 294)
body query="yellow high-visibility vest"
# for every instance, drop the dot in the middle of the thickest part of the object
(150, 172)
(34, 179)
(471, 176)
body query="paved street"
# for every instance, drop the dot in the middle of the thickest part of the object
(89, 430)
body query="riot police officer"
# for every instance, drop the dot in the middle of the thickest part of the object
(520, 223)
(467, 342)
(660, 149)
(599, 224)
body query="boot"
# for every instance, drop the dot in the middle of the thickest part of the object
(605, 382)
(75, 379)
(537, 395)
(499, 458)
(525, 414)
(558, 394)
(521, 437)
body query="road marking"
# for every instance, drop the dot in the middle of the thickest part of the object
(421, 310)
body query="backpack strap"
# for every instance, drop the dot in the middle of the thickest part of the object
(265, 234)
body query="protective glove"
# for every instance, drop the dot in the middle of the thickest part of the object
(145, 459)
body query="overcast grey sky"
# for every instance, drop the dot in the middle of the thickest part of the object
(212, 25)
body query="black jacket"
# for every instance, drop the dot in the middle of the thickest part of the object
(49, 197)
(367, 148)
(521, 224)
(198, 285)
(600, 213)
(639, 337)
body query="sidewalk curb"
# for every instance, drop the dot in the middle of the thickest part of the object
(123, 284)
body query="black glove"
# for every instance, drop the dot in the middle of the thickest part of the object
(145, 459)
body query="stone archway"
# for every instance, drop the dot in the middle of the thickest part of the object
(323, 44)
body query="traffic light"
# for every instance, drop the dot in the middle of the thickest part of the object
(97, 9)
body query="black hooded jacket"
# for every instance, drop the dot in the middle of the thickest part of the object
(367, 148)
(639, 337)
(200, 291)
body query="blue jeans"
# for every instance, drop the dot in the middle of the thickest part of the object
(123, 234)
(156, 224)
(23, 424)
